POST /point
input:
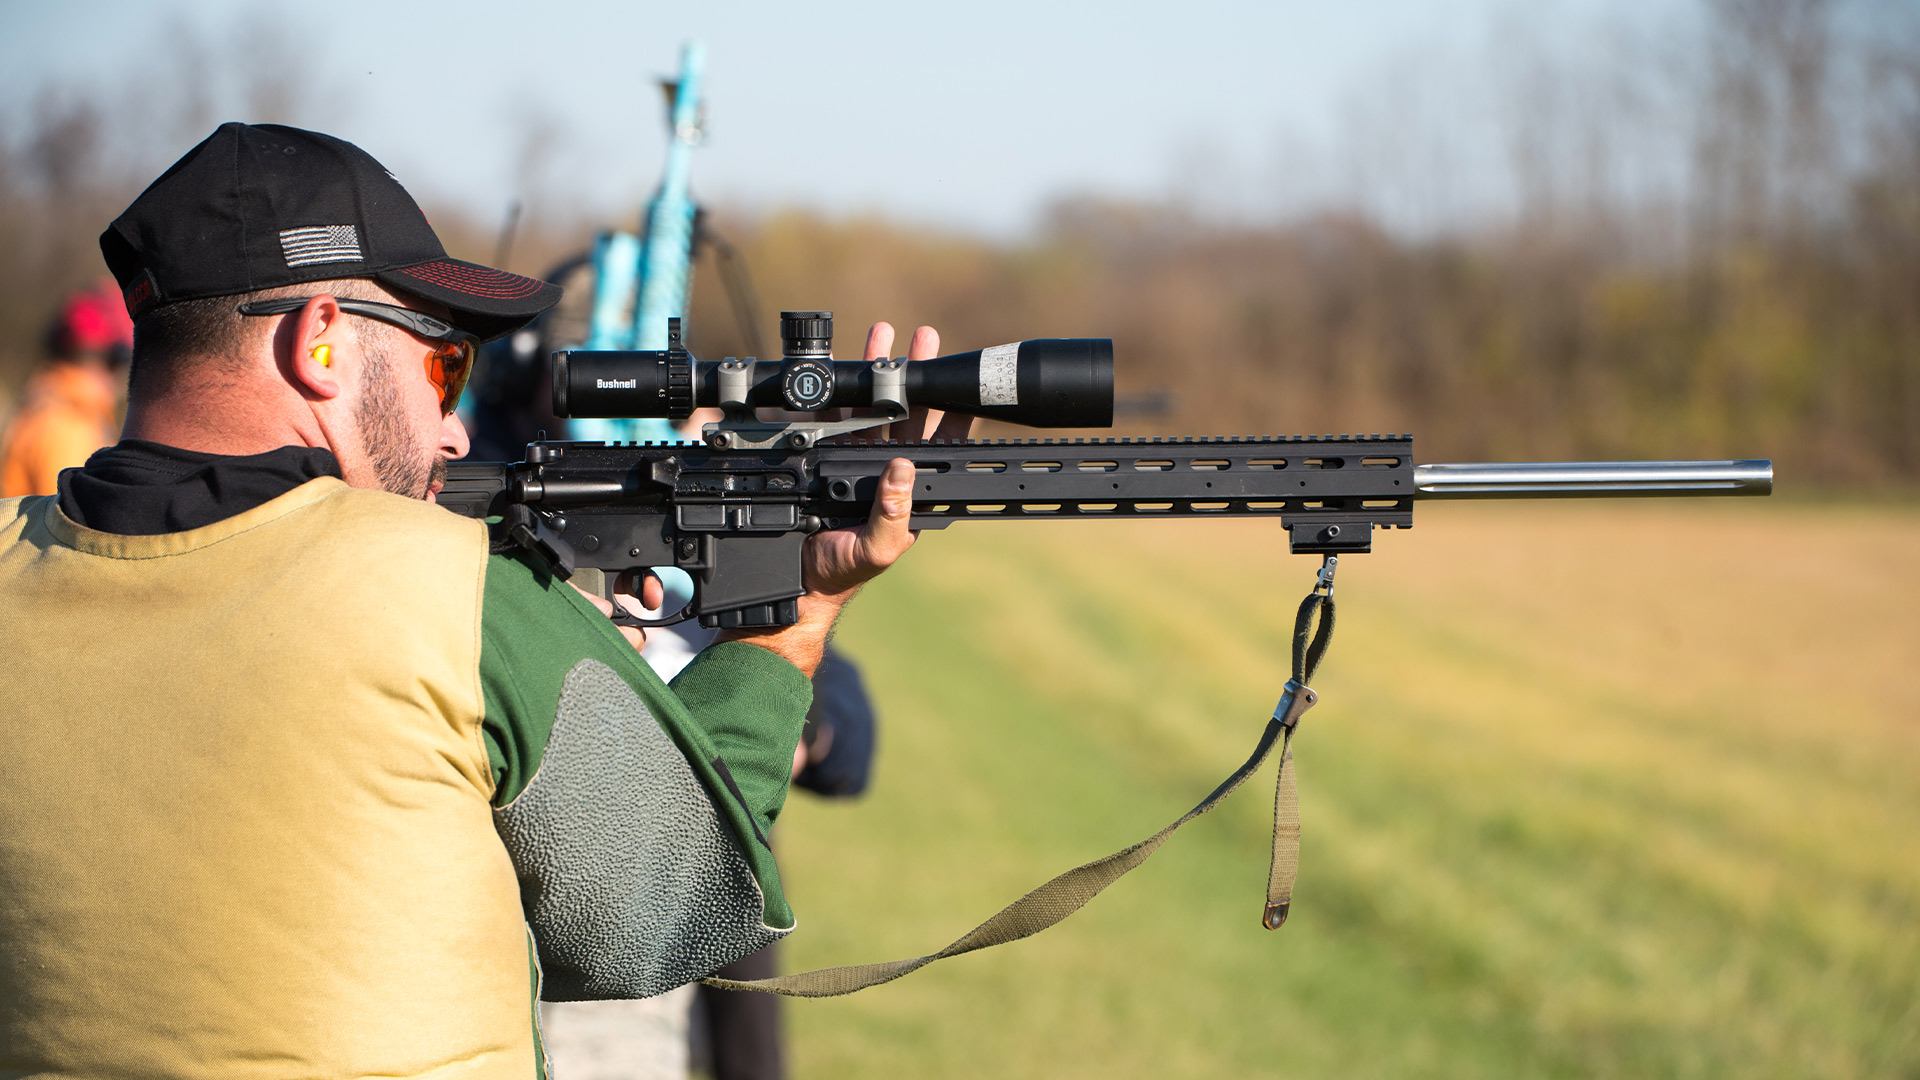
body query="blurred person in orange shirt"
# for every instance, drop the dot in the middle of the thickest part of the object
(69, 407)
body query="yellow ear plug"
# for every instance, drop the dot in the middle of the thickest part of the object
(323, 353)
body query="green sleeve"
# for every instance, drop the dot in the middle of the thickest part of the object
(743, 696)
(736, 711)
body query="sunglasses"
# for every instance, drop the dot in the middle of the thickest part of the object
(448, 366)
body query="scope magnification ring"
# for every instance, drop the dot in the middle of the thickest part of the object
(807, 386)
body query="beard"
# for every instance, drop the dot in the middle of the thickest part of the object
(393, 447)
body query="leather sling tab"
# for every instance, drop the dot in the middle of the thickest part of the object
(1286, 788)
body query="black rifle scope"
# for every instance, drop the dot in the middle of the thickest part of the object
(1046, 382)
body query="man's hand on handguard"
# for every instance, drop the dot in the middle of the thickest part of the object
(837, 562)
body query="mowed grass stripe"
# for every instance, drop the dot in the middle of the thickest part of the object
(1584, 797)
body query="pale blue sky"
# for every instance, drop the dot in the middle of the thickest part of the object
(965, 114)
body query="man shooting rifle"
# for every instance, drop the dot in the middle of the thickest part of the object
(302, 779)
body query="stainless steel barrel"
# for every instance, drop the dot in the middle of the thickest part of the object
(1591, 479)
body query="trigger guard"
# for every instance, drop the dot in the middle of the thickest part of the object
(622, 617)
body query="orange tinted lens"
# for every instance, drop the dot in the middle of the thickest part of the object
(448, 367)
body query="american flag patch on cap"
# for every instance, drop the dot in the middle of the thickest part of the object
(320, 244)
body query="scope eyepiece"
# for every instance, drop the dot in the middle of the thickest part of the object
(623, 383)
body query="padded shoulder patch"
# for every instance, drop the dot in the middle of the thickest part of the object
(630, 879)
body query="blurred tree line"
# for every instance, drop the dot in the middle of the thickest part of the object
(1751, 289)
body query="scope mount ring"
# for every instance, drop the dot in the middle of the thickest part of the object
(745, 434)
(741, 429)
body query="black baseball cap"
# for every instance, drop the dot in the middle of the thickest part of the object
(257, 206)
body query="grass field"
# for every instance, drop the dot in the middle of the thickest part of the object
(1627, 790)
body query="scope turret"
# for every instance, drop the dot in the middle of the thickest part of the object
(1043, 382)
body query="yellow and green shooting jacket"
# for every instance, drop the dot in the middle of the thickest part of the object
(319, 789)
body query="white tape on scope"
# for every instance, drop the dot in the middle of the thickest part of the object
(1000, 375)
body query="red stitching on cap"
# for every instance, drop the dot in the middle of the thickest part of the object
(137, 295)
(493, 284)
(462, 279)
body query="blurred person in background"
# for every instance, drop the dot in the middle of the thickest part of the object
(70, 406)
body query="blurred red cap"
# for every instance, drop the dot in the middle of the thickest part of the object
(94, 320)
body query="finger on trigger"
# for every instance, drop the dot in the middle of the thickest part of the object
(642, 587)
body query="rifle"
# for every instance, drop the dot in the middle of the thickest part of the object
(734, 511)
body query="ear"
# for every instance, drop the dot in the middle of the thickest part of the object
(314, 344)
